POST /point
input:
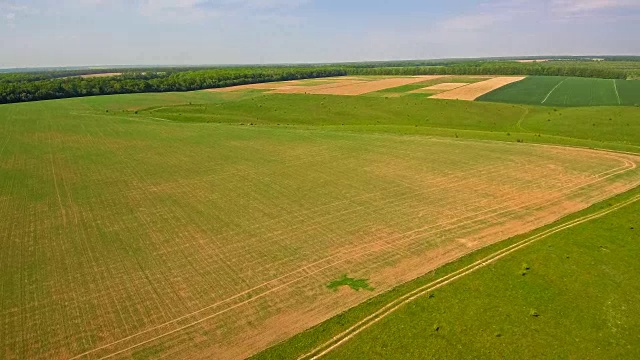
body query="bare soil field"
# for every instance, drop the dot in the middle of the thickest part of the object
(315, 89)
(442, 87)
(360, 88)
(260, 86)
(138, 239)
(474, 91)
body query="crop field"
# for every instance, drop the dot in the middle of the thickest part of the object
(523, 304)
(568, 91)
(385, 86)
(127, 234)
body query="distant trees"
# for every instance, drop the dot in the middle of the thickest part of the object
(498, 68)
(31, 87)
(45, 85)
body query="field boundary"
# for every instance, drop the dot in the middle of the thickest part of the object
(388, 309)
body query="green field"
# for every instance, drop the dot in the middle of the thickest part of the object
(181, 224)
(568, 91)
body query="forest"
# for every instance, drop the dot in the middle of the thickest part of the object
(57, 84)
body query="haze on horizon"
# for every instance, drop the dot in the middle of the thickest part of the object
(37, 33)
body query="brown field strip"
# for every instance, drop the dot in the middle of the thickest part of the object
(314, 89)
(259, 86)
(371, 86)
(444, 86)
(130, 239)
(474, 91)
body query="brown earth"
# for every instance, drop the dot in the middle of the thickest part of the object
(443, 86)
(260, 86)
(371, 86)
(316, 89)
(474, 91)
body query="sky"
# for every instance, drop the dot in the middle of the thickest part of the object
(36, 33)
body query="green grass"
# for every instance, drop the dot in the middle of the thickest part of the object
(338, 110)
(610, 127)
(105, 200)
(354, 284)
(567, 91)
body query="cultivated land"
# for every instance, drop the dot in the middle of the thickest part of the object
(445, 86)
(387, 86)
(474, 91)
(568, 91)
(131, 235)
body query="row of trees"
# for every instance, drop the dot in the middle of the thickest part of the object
(497, 68)
(138, 82)
(21, 87)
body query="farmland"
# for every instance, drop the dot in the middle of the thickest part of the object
(522, 305)
(537, 90)
(148, 225)
(567, 91)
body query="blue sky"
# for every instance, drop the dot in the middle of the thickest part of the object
(111, 32)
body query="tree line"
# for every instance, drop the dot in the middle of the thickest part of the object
(32, 87)
(21, 87)
(497, 68)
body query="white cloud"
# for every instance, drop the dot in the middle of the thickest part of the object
(582, 6)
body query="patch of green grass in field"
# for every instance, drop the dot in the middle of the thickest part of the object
(354, 284)
(401, 89)
(567, 91)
